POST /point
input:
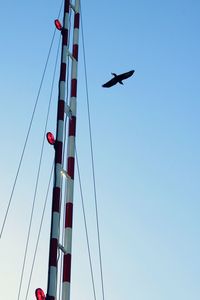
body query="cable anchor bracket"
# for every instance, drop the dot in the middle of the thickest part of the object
(73, 7)
(65, 174)
(68, 111)
(62, 248)
(70, 55)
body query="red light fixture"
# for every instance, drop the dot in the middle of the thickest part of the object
(58, 24)
(50, 138)
(39, 294)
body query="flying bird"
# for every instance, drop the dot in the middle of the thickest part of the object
(118, 78)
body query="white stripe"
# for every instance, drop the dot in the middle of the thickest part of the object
(64, 54)
(55, 227)
(73, 105)
(62, 90)
(77, 4)
(60, 130)
(74, 69)
(58, 182)
(68, 240)
(66, 291)
(69, 190)
(66, 20)
(76, 36)
(71, 146)
(52, 282)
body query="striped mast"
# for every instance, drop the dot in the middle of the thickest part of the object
(71, 159)
(58, 164)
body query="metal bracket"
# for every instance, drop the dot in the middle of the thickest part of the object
(62, 248)
(73, 7)
(70, 55)
(65, 174)
(68, 111)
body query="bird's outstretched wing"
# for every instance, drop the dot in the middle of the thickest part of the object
(110, 83)
(125, 75)
(118, 78)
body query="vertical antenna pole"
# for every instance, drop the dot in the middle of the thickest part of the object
(71, 160)
(55, 216)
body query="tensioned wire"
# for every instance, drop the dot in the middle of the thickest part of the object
(41, 155)
(29, 129)
(92, 160)
(85, 224)
(37, 178)
(39, 232)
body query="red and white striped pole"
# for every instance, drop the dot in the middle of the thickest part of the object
(55, 217)
(71, 160)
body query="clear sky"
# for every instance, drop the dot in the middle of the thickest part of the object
(146, 147)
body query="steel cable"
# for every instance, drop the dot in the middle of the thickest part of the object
(92, 159)
(29, 129)
(27, 137)
(41, 155)
(37, 179)
(39, 232)
(85, 224)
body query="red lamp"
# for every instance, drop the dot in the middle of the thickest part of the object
(58, 24)
(50, 138)
(39, 294)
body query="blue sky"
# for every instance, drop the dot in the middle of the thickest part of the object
(146, 146)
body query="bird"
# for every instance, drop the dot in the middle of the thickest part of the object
(118, 79)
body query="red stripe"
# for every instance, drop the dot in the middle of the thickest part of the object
(67, 268)
(70, 167)
(69, 215)
(61, 109)
(75, 52)
(53, 254)
(58, 154)
(72, 126)
(56, 199)
(76, 20)
(66, 8)
(65, 36)
(73, 87)
(63, 71)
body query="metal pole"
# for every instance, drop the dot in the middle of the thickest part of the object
(55, 216)
(71, 160)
